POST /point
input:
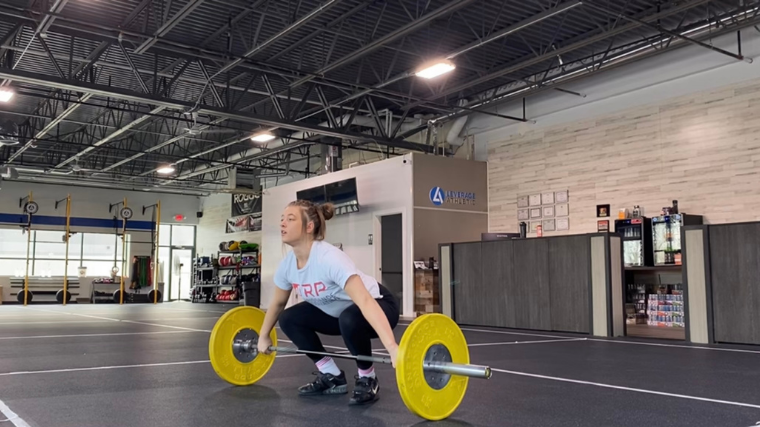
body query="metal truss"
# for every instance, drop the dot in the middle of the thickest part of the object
(115, 99)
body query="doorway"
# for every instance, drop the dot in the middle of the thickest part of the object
(180, 273)
(391, 255)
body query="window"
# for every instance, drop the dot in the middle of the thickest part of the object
(183, 235)
(164, 235)
(13, 243)
(101, 247)
(100, 268)
(99, 252)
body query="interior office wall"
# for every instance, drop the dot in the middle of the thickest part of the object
(383, 188)
(701, 149)
(448, 219)
(212, 226)
(93, 202)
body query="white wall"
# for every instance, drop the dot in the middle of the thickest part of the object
(212, 227)
(383, 188)
(93, 202)
(700, 149)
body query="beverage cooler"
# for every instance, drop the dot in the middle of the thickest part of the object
(666, 237)
(636, 234)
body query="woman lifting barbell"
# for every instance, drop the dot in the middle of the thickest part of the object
(338, 300)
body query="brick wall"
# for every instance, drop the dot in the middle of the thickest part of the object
(702, 149)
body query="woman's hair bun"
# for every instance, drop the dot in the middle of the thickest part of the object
(328, 211)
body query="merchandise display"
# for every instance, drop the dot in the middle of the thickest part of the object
(655, 305)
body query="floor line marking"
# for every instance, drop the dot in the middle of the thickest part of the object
(51, 322)
(612, 341)
(637, 390)
(74, 314)
(102, 368)
(165, 326)
(94, 335)
(11, 416)
(693, 347)
(525, 342)
(514, 333)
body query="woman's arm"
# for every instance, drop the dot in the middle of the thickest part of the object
(373, 313)
(278, 303)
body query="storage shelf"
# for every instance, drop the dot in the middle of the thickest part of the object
(655, 268)
(235, 267)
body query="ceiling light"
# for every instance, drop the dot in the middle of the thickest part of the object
(5, 95)
(435, 69)
(262, 137)
(165, 170)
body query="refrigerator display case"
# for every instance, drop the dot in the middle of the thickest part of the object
(636, 234)
(666, 237)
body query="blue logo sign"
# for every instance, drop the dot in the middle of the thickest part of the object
(437, 196)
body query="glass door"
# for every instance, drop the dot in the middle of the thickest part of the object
(181, 263)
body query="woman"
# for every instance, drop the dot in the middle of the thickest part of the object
(338, 300)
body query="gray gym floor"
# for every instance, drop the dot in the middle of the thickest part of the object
(145, 365)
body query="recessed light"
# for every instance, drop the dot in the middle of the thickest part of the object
(5, 95)
(262, 137)
(435, 68)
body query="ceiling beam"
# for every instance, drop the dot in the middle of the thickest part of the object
(118, 93)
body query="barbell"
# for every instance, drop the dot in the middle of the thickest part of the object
(432, 365)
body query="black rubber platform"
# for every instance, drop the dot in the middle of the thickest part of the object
(145, 365)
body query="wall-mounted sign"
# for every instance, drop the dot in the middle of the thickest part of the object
(245, 204)
(439, 196)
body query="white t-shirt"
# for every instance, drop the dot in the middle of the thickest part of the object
(322, 280)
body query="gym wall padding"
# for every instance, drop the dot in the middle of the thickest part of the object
(532, 298)
(538, 284)
(735, 282)
(569, 264)
(697, 306)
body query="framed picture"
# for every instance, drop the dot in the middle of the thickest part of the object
(534, 226)
(547, 199)
(561, 196)
(523, 214)
(562, 210)
(522, 202)
(563, 224)
(602, 211)
(603, 226)
(535, 213)
(548, 225)
(535, 200)
(548, 211)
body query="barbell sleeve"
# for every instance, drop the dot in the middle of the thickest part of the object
(473, 371)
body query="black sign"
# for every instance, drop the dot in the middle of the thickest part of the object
(245, 204)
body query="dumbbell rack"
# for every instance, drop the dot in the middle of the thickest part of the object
(238, 268)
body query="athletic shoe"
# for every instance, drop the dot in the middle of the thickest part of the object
(365, 391)
(325, 384)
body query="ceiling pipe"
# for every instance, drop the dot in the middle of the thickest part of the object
(278, 144)
(113, 185)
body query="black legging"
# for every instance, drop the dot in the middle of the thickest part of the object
(303, 321)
